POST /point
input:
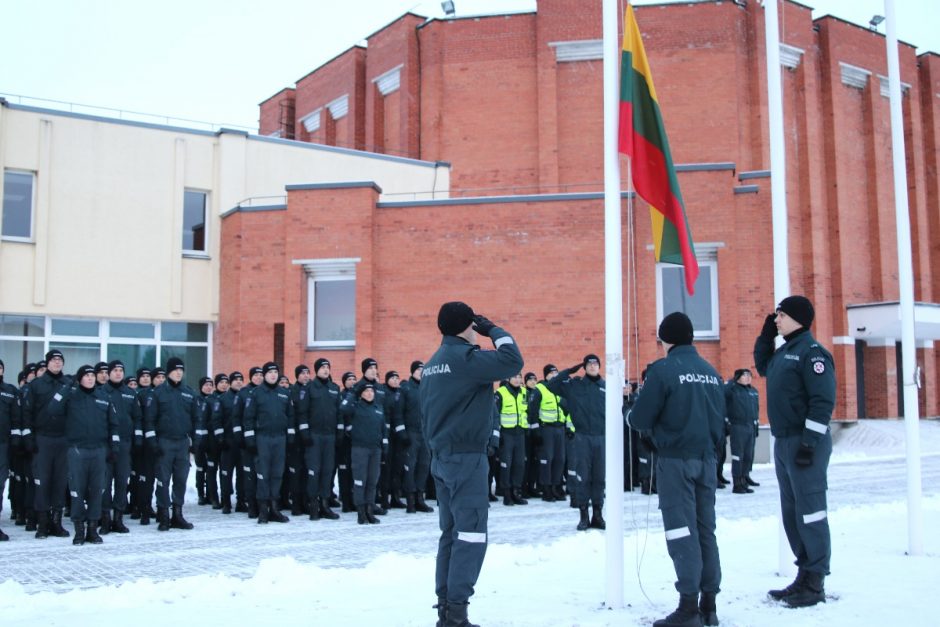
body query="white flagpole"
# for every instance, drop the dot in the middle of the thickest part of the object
(778, 195)
(613, 306)
(909, 382)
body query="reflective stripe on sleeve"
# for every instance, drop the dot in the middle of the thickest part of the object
(150, 434)
(26, 432)
(138, 432)
(250, 433)
(736, 458)
(236, 429)
(399, 428)
(219, 431)
(675, 534)
(503, 341)
(291, 431)
(202, 432)
(15, 432)
(818, 427)
(304, 426)
(115, 438)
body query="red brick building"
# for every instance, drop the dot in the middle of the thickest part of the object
(513, 103)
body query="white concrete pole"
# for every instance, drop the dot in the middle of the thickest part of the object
(915, 518)
(613, 309)
(778, 199)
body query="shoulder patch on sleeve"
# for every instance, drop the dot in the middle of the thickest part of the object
(819, 367)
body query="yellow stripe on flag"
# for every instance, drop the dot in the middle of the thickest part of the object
(657, 219)
(633, 43)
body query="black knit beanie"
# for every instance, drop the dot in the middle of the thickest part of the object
(799, 308)
(454, 317)
(676, 329)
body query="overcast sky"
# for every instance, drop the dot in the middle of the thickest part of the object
(215, 60)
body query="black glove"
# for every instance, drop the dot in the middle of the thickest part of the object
(537, 438)
(154, 447)
(756, 431)
(404, 439)
(138, 442)
(307, 437)
(250, 445)
(769, 330)
(291, 439)
(111, 455)
(490, 450)
(573, 369)
(29, 444)
(648, 443)
(569, 434)
(482, 325)
(804, 456)
(224, 444)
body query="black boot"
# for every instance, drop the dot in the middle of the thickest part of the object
(144, 515)
(201, 487)
(240, 507)
(117, 523)
(314, 509)
(645, 486)
(347, 507)
(253, 510)
(783, 593)
(163, 518)
(420, 505)
(410, 503)
(370, 515)
(3, 537)
(31, 518)
(395, 502)
(177, 521)
(457, 616)
(378, 510)
(721, 479)
(263, 513)
(105, 526)
(706, 607)
(517, 497)
(548, 495)
(686, 615)
(558, 492)
(810, 592)
(91, 533)
(740, 487)
(334, 502)
(215, 502)
(276, 515)
(20, 518)
(42, 526)
(326, 512)
(492, 498)
(585, 521)
(79, 538)
(361, 515)
(507, 498)
(749, 481)
(597, 518)
(441, 608)
(56, 529)
(227, 505)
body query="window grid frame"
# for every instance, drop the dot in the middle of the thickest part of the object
(31, 239)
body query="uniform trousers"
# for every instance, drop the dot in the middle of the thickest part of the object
(742, 449)
(417, 464)
(591, 458)
(460, 482)
(86, 482)
(803, 502)
(551, 454)
(118, 474)
(269, 465)
(511, 457)
(365, 473)
(173, 463)
(50, 472)
(320, 459)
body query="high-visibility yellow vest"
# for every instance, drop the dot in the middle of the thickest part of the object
(549, 411)
(512, 413)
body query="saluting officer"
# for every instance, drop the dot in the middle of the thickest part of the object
(118, 467)
(801, 394)
(457, 406)
(91, 426)
(319, 429)
(586, 402)
(683, 404)
(172, 424)
(267, 415)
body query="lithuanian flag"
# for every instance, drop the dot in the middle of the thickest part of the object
(643, 139)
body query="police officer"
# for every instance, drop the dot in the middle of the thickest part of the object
(296, 468)
(44, 437)
(101, 373)
(206, 456)
(457, 406)
(646, 457)
(585, 396)
(226, 387)
(682, 403)
(513, 428)
(368, 436)
(245, 498)
(143, 462)
(417, 456)
(91, 427)
(118, 466)
(370, 374)
(743, 405)
(172, 424)
(543, 410)
(801, 394)
(344, 451)
(394, 467)
(533, 440)
(267, 415)
(10, 419)
(318, 431)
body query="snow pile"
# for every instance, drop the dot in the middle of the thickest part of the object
(881, 439)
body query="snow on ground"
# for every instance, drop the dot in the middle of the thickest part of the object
(556, 582)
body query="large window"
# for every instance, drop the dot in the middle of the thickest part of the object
(25, 339)
(18, 200)
(701, 308)
(331, 302)
(194, 222)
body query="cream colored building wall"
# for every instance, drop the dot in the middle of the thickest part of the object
(109, 203)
